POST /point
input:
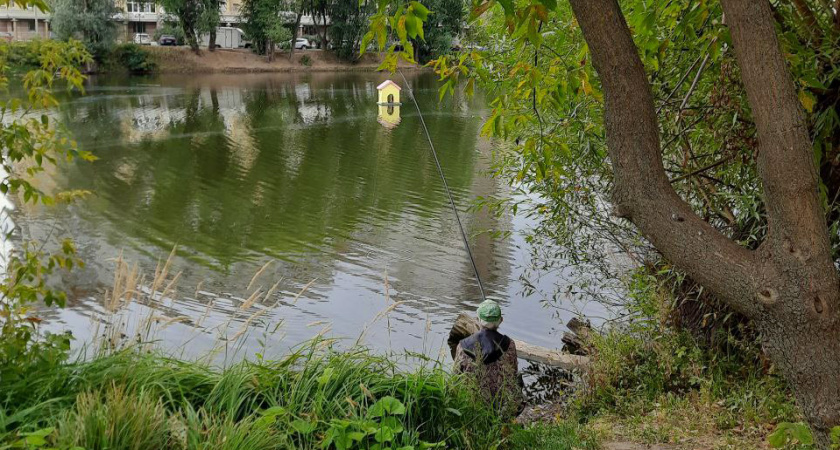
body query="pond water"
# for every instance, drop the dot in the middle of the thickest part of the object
(300, 170)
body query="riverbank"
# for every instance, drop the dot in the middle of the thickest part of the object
(313, 398)
(183, 60)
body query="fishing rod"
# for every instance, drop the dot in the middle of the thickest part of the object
(446, 188)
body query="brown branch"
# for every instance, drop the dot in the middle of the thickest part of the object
(702, 169)
(642, 191)
(837, 15)
(785, 158)
(810, 19)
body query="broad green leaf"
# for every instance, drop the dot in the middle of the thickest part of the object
(507, 5)
(303, 426)
(386, 405)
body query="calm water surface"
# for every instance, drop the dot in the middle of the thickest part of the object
(298, 169)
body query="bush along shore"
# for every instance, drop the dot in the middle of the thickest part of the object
(648, 384)
(144, 59)
(310, 399)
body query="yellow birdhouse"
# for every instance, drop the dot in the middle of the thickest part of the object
(389, 93)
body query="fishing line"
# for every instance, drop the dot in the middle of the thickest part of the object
(446, 187)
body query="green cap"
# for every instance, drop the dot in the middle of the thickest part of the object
(489, 311)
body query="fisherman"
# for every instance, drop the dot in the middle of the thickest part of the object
(490, 357)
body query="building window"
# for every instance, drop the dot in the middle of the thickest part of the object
(147, 7)
(31, 25)
(139, 27)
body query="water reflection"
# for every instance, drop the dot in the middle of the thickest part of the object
(389, 116)
(239, 170)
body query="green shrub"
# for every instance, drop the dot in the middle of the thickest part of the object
(306, 60)
(642, 364)
(134, 58)
(200, 430)
(299, 401)
(116, 419)
(561, 436)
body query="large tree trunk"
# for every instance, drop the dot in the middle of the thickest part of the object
(325, 38)
(189, 34)
(211, 46)
(789, 285)
(294, 35)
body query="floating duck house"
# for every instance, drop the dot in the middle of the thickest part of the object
(389, 93)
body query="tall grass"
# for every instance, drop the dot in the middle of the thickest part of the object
(116, 401)
(127, 394)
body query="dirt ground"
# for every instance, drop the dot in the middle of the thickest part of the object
(182, 60)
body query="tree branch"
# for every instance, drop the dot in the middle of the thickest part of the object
(837, 15)
(642, 190)
(785, 157)
(811, 23)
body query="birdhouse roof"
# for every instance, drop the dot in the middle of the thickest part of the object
(386, 83)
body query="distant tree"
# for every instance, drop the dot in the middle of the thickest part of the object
(189, 14)
(442, 29)
(264, 19)
(348, 24)
(319, 10)
(90, 21)
(278, 32)
(208, 22)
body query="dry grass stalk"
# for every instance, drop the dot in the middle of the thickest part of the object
(247, 304)
(259, 272)
(198, 288)
(294, 301)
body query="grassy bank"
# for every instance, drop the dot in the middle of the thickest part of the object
(649, 383)
(183, 60)
(310, 399)
(131, 58)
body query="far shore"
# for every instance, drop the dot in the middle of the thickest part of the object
(184, 60)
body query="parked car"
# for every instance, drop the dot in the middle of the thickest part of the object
(167, 39)
(302, 44)
(142, 39)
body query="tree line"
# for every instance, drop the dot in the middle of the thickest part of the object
(268, 24)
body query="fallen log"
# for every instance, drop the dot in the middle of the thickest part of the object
(575, 341)
(466, 325)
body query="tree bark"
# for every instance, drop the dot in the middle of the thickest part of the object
(211, 46)
(837, 15)
(294, 34)
(789, 285)
(189, 34)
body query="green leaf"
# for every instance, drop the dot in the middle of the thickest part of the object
(454, 411)
(386, 405)
(326, 376)
(303, 426)
(808, 101)
(550, 4)
(507, 5)
(392, 423)
(274, 411)
(420, 11)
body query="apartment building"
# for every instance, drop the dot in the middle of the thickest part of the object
(24, 23)
(21, 23)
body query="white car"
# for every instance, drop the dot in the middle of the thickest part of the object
(302, 44)
(142, 39)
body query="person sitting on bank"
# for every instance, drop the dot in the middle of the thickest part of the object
(490, 357)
